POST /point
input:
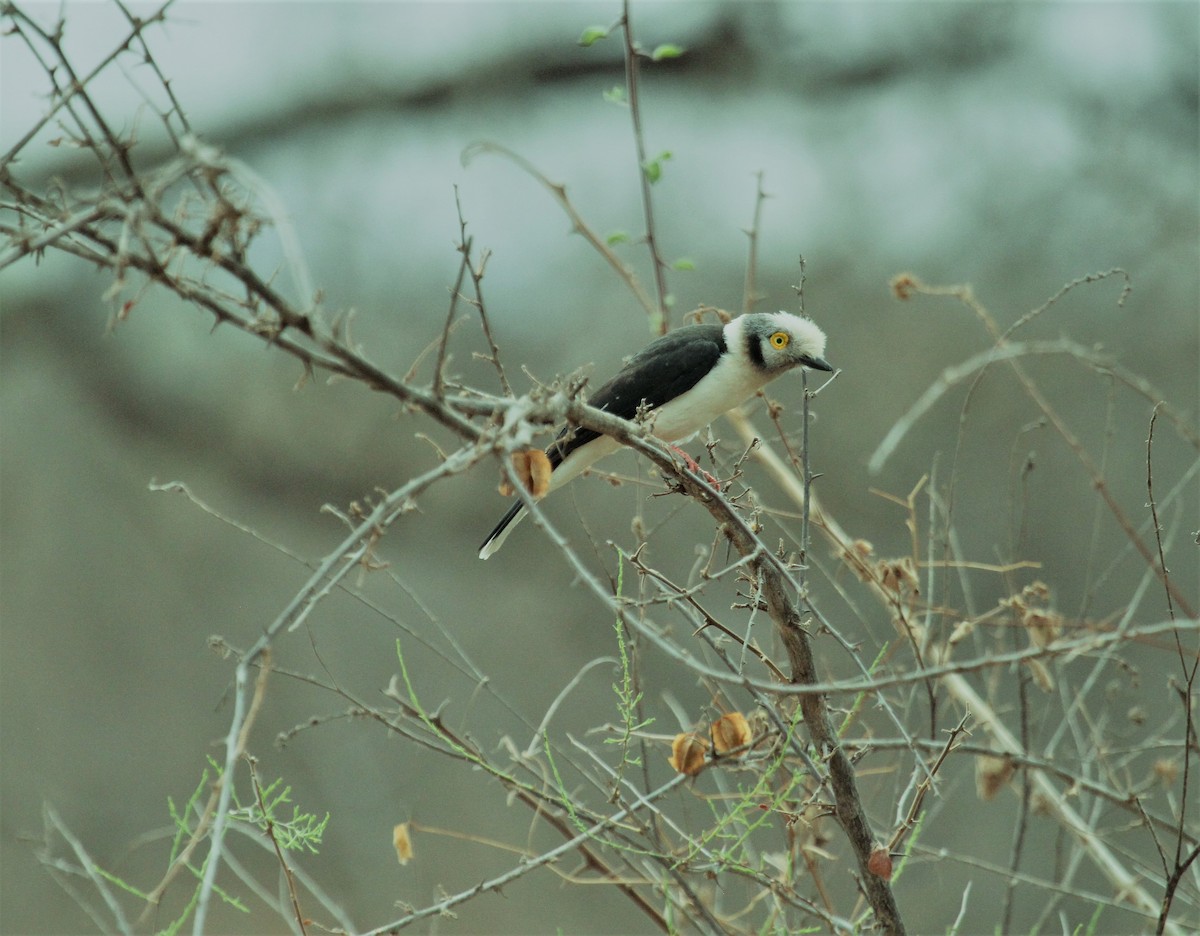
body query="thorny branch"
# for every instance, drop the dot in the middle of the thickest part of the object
(187, 226)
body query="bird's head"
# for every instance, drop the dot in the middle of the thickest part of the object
(778, 341)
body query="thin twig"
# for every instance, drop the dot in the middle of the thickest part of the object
(578, 225)
(477, 282)
(1165, 573)
(439, 369)
(87, 866)
(340, 562)
(1010, 352)
(986, 718)
(546, 857)
(270, 830)
(750, 294)
(926, 784)
(633, 94)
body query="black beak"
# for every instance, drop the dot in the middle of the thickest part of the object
(816, 363)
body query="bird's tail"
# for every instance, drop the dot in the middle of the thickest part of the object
(497, 537)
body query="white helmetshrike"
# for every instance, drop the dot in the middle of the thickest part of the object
(687, 378)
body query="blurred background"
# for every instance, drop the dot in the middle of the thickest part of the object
(1013, 147)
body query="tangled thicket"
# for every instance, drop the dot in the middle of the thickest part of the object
(808, 724)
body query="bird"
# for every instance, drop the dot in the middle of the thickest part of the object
(682, 382)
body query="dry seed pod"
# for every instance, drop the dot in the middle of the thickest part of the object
(730, 732)
(880, 863)
(403, 843)
(688, 752)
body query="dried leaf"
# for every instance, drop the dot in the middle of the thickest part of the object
(1167, 771)
(1044, 626)
(688, 753)
(1041, 675)
(403, 843)
(1037, 591)
(964, 629)
(856, 557)
(904, 285)
(991, 776)
(898, 575)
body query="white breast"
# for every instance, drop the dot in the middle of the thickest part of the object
(733, 381)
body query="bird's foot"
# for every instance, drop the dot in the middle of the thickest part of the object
(693, 465)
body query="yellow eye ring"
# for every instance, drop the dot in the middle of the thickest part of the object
(779, 340)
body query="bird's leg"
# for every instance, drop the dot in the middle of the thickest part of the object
(693, 465)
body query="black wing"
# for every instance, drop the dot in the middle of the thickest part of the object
(661, 371)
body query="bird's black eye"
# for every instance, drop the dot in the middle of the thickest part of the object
(779, 340)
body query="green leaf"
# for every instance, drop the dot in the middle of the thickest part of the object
(684, 263)
(617, 237)
(592, 35)
(654, 167)
(615, 94)
(668, 50)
